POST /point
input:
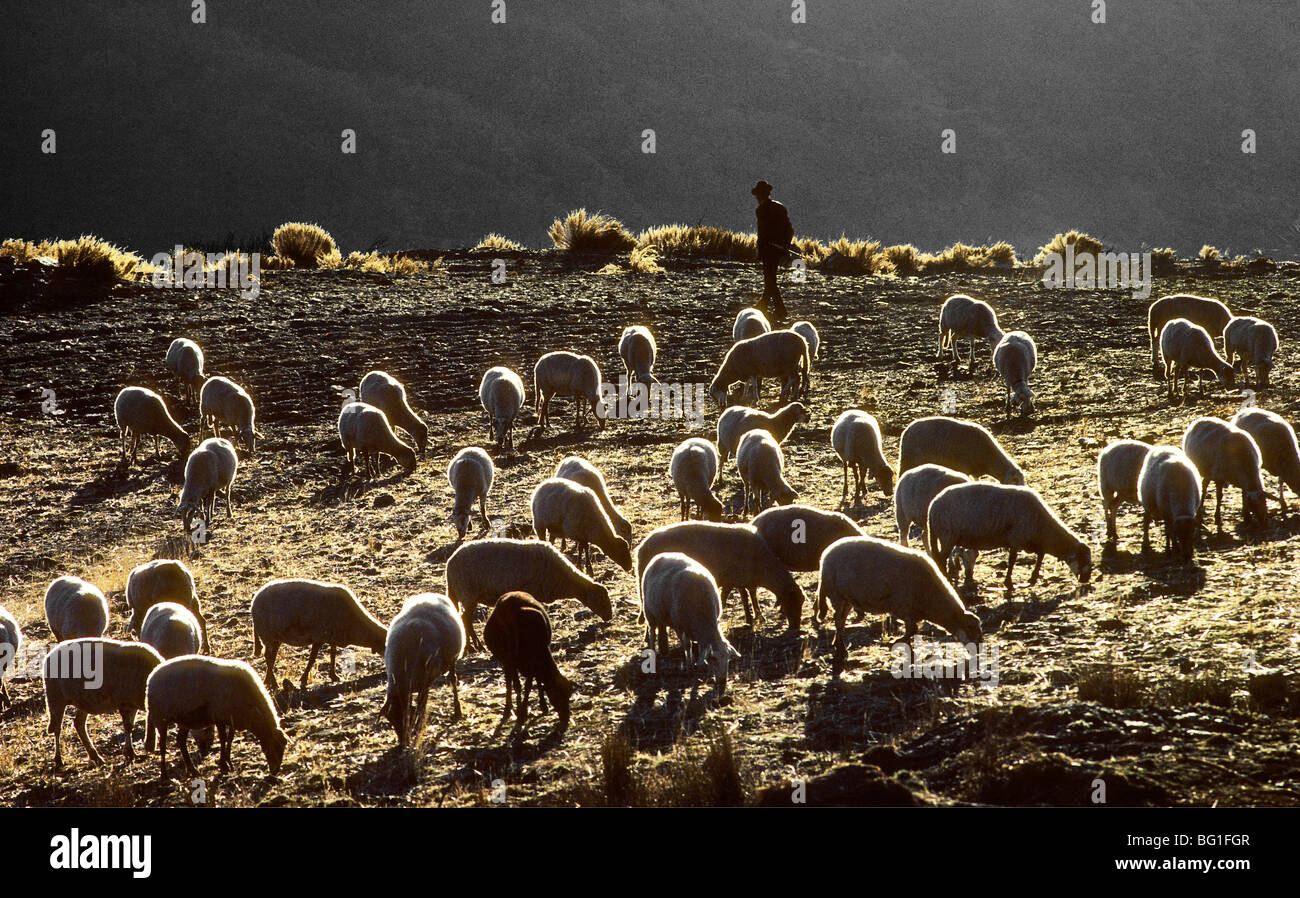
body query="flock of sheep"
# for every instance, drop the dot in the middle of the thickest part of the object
(683, 571)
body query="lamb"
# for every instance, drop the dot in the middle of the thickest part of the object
(637, 348)
(518, 634)
(806, 330)
(364, 430)
(11, 641)
(1185, 346)
(571, 511)
(163, 580)
(303, 612)
(749, 323)
(960, 445)
(680, 594)
(209, 472)
(962, 316)
(223, 402)
(761, 466)
(185, 362)
(1226, 454)
(738, 420)
(470, 475)
(855, 437)
(1015, 357)
(871, 575)
(694, 469)
(1255, 341)
(780, 354)
(737, 557)
(501, 392)
(798, 534)
(195, 691)
(568, 374)
(978, 515)
(387, 394)
(96, 676)
(480, 572)
(172, 629)
(140, 412)
(1210, 314)
(1169, 487)
(1118, 467)
(425, 640)
(1279, 454)
(75, 609)
(913, 494)
(579, 470)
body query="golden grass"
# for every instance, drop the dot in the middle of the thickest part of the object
(87, 256)
(702, 241)
(1083, 243)
(497, 241)
(306, 245)
(1164, 260)
(581, 231)
(1120, 686)
(903, 259)
(685, 779)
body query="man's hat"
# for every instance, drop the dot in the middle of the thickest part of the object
(762, 188)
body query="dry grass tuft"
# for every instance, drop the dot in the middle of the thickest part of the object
(1164, 261)
(306, 245)
(87, 256)
(1119, 686)
(583, 232)
(686, 779)
(1082, 243)
(703, 241)
(904, 259)
(496, 241)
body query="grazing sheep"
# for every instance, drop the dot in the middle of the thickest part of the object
(1255, 341)
(737, 557)
(1209, 314)
(1226, 454)
(11, 641)
(1015, 357)
(365, 429)
(871, 575)
(579, 470)
(96, 676)
(974, 319)
(140, 412)
(799, 534)
(762, 466)
(425, 640)
(1169, 487)
(303, 612)
(1118, 467)
(979, 515)
(75, 609)
(195, 691)
(913, 494)
(806, 330)
(387, 394)
(568, 374)
(571, 511)
(501, 393)
(960, 445)
(1278, 452)
(209, 471)
(856, 440)
(1185, 346)
(470, 475)
(780, 354)
(185, 362)
(694, 469)
(738, 420)
(680, 594)
(518, 634)
(480, 572)
(163, 580)
(749, 323)
(225, 403)
(636, 347)
(172, 629)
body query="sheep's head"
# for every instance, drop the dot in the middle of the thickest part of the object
(405, 456)
(596, 597)
(421, 433)
(790, 600)
(1227, 377)
(560, 694)
(719, 657)
(969, 631)
(1182, 536)
(1013, 476)
(248, 435)
(273, 747)
(885, 477)
(1254, 506)
(621, 553)
(1081, 562)
(718, 392)
(1263, 369)
(786, 495)
(713, 510)
(461, 520)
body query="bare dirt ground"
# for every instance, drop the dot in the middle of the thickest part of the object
(1142, 681)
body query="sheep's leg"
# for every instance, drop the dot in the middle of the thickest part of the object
(311, 661)
(272, 649)
(1281, 497)
(56, 727)
(509, 675)
(1146, 532)
(523, 697)
(663, 640)
(79, 724)
(1111, 510)
(225, 739)
(839, 651)
(128, 724)
(758, 612)
(185, 750)
(1011, 566)
(544, 415)
(844, 489)
(455, 694)
(157, 452)
(1218, 505)
(162, 751)
(1033, 578)
(334, 674)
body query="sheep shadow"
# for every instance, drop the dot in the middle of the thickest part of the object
(120, 478)
(353, 485)
(845, 714)
(318, 695)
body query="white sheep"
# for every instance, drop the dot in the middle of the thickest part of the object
(1015, 357)
(855, 437)
(303, 612)
(569, 510)
(425, 640)
(913, 494)
(1209, 314)
(694, 470)
(1226, 454)
(185, 362)
(209, 472)
(579, 470)
(636, 347)
(1169, 487)
(364, 430)
(172, 629)
(961, 445)
(737, 420)
(1255, 341)
(806, 330)
(799, 534)
(980, 515)
(1278, 452)
(780, 354)
(762, 471)
(680, 594)
(568, 374)
(1184, 346)
(75, 609)
(11, 642)
(470, 475)
(163, 580)
(195, 691)
(749, 323)
(140, 412)
(224, 403)
(96, 676)
(501, 392)
(974, 319)
(1118, 467)
(387, 394)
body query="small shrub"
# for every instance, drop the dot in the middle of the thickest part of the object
(1082, 243)
(498, 242)
(850, 256)
(304, 244)
(590, 233)
(700, 241)
(1110, 684)
(645, 260)
(90, 257)
(1209, 257)
(1164, 261)
(904, 259)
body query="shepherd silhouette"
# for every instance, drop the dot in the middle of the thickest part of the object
(774, 235)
